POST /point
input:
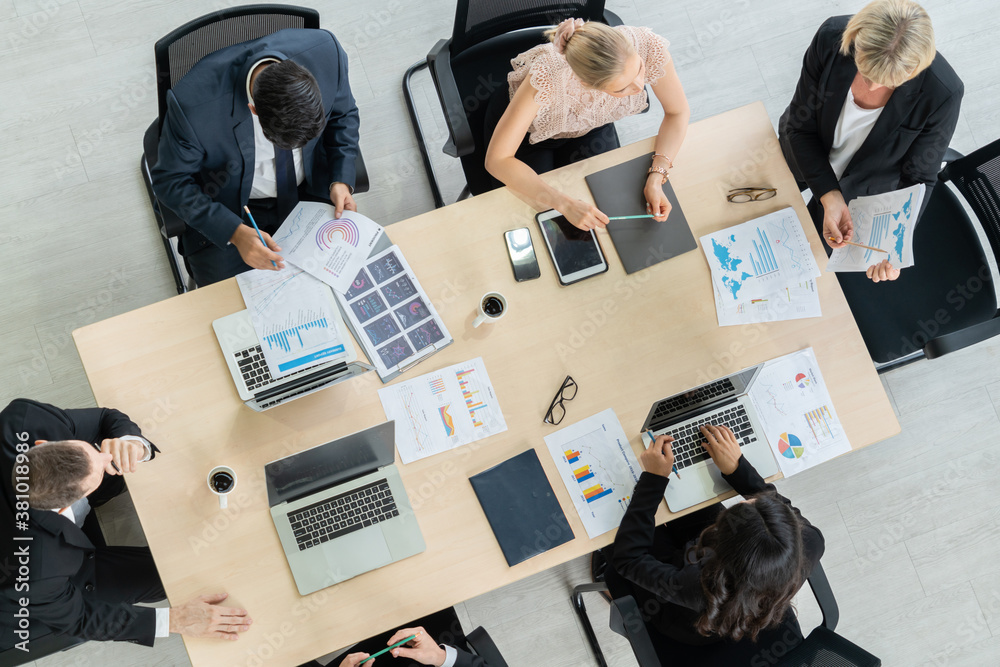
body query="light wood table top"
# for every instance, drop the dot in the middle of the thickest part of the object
(627, 340)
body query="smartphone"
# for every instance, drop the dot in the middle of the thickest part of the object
(575, 253)
(522, 254)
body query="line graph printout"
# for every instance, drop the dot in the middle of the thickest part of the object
(598, 467)
(793, 302)
(796, 412)
(442, 410)
(330, 248)
(884, 221)
(759, 257)
(294, 318)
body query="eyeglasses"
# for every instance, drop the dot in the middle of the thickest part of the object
(743, 195)
(556, 411)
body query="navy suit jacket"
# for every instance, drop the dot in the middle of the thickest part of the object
(61, 556)
(907, 142)
(204, 168)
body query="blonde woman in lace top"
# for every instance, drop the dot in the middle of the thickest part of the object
(564, 97)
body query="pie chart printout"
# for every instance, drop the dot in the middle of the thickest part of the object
(790, 446)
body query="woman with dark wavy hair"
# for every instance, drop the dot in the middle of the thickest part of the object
(718, 574)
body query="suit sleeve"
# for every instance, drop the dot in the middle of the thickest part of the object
(99, 423)
(466, 659)
(747, 481)
(923, 160)
(802, 128)
(179, 159)
(340, 137)
(62, 607)
(633, 557)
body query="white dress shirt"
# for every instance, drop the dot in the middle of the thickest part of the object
(853, 127)
(265, 181)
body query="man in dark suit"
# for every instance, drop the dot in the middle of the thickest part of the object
(57, 572)
(874, 110)
(263, 123)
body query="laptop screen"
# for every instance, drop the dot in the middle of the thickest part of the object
(330, 464)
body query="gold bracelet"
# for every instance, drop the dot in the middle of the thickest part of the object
(661, 171)
(665, 157)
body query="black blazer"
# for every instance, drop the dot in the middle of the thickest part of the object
(674, 579)
(907, 142)
(61, 557)
(204, 168)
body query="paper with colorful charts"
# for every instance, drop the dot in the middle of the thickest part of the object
(332, 249)
(796, 412)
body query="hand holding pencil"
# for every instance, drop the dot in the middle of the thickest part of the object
(257, 249)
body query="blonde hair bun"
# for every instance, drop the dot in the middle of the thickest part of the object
(595, 52)
(892, 41)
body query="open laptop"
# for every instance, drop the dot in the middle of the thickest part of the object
(258, 390)
(723, 402)
(341, 510)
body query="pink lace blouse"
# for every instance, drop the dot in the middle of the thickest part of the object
(567, 107)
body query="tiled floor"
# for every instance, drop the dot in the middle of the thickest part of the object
(912, 523)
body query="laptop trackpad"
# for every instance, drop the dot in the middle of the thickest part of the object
(358, 552)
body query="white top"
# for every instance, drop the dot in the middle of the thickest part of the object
(265, 180)
(853, 128)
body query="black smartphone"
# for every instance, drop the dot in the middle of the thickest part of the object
(522, 254)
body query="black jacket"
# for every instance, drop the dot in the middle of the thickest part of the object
(907, 142)
(672, 578)
(61, 557)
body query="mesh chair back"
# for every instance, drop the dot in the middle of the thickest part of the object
(977, 177)
(179, 51)
(479, 20)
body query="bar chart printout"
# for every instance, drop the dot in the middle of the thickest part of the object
(598, 467)
(293, 316)
(442, 410)
(885, 221)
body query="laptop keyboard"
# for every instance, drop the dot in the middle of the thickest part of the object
(343, 514)
(687, 446)
(254, 369)
(693, 397)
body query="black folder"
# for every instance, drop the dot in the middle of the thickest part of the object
(645, 242)
(522, 509)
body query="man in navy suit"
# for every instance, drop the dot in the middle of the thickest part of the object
(260, 124)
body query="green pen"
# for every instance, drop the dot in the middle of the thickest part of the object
(389, 648)
(631, 217)
(653, 438)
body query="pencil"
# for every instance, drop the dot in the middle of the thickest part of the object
(653, 438)
(860, 245)
(113, 464)
(389, 648)
(632, 217)
(259, 235)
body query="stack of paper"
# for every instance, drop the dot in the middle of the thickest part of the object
(885, 222)
(763, 270)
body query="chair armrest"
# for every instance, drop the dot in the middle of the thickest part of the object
(484, 647)
(612, 19)
(956, 341)
(820, 586)
(626, 619)
(951, 155)
(460, 141)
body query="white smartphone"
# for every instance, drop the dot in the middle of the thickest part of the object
(575, 253)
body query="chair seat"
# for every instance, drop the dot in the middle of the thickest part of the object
(825, 648)
(949, 287)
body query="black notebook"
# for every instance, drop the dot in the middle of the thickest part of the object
(640, 243)
(522, 509)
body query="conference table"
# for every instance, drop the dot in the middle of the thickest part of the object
(627, 340)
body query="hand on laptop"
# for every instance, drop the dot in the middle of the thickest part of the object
(659, 458)
(722, 446)
(203, 617)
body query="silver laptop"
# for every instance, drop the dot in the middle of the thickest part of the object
(257, 388)
(722, 402)
(341, 509)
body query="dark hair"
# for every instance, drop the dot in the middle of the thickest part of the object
(56, 473)
(289, 104)
(755, 567)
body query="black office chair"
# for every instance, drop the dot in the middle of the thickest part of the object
(179, 51)
(468, 68)
(784, 645)
(946, 300)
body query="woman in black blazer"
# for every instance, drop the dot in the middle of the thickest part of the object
(698, 577)
(874, 110)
